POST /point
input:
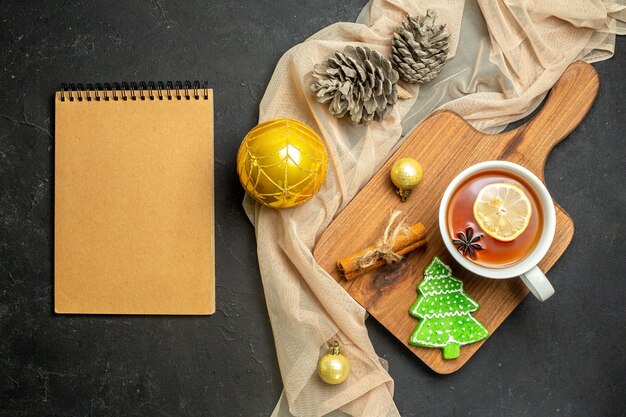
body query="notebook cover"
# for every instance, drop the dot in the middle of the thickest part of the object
(133, 216)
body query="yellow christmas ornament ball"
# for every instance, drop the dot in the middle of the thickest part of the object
(405, 174)
(333, 368)
(282, 163)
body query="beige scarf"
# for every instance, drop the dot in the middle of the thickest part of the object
(509, 56)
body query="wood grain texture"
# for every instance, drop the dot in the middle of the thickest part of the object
(445, 145)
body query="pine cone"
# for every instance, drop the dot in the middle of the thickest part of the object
(420, 48)
(359, 81)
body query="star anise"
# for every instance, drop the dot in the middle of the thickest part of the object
(466, 242)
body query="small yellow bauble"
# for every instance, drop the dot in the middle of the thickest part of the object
(282, 163)
(405, 174)
(334, 367)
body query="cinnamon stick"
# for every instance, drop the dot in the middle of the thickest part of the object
(416, 237)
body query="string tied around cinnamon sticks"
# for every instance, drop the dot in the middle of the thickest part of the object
(384, 247)
(397, 240)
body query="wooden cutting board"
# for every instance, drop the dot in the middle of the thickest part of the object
(445, 145)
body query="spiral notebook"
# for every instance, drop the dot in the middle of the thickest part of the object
(133, 210)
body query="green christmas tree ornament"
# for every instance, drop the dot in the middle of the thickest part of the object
(444, 313)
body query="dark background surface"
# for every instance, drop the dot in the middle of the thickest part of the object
(562, 358)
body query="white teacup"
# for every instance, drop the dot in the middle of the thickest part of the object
(526, 268)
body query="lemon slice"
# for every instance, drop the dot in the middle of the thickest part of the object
(502, 210)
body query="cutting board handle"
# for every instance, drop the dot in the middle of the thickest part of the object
(567, 104)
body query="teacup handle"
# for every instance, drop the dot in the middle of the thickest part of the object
(538, 284)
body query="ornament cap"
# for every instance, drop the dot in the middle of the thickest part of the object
(334, 349)
(404, 194)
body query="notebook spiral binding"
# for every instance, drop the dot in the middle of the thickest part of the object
(128, 91)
